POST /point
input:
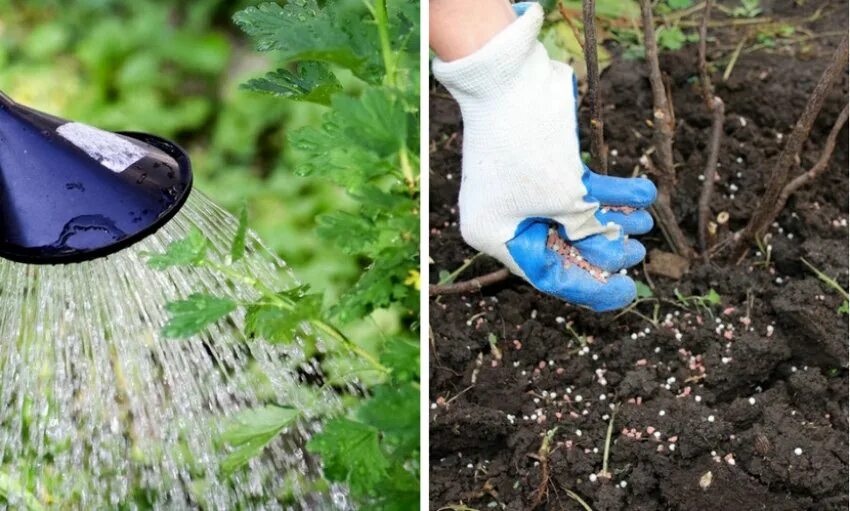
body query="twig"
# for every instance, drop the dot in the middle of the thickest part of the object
(664, 125)
(598, 151)
(816, 170)
(569, 20)
(469, 285)
(717, 108)
(764, 213)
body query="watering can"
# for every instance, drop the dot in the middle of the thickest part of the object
(70, 192)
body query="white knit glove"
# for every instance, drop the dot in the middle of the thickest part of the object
(522, 168)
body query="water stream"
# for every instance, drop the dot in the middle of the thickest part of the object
(99, 411)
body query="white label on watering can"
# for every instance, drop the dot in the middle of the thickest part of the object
(112, 151)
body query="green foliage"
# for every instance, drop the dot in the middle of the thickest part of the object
(746, 9)
(189, 251)
(274, 323)
(699, 302)
(679, 4)
(192, 315)
(643, 291)
(251, 431)
(367, 144)
(311, 82)
(671, 38)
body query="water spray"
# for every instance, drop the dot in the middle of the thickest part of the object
(97, 409)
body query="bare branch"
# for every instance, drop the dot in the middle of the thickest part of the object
(705, 76)
(709, 174)
(598, 150)
(663, 122)
(816, 170)
(469, 286)
(763, 215)
(716, 107)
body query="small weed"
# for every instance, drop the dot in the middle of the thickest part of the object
(447, 277)
(457, 507)
(844, 308)
(699, 302)
(576, 497)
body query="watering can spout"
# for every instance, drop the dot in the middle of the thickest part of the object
(70, 192)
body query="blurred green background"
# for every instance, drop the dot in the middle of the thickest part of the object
(174, 69)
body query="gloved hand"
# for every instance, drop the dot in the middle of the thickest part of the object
(526, 198)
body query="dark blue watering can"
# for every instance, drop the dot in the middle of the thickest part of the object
(70, 192)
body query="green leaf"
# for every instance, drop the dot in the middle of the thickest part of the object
(311, 82)
(643, 291)
(191, 316)
(679, 4)
(377, 119)
(351, 453)
(402, 357)
(301, 30)
(394, 410)
(844, 308)
(352, 233)
(251, 431)
(190, 251)
(237, 250)
(712, 297)
(671, 38)
(281, 323)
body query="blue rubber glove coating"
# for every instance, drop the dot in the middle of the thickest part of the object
(545, 269)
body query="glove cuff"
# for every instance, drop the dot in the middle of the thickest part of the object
(494, 68)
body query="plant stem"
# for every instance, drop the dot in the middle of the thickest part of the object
(379, 12)
(664, 122)
(575, 496)
(607, 450)
(717, 108)
(829, 281)
(454, 275)
(763, 215)
(470, 285)
(598, 151)
(277, 301)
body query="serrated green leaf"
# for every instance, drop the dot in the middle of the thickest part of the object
(192, 315)
(190, 251)
(377, 119)
(237, 250)
(671, 38)
(312, 82)
(351, 453)
(281, 324)
(382, 285)
(351, 233)
(301, 30)
(394, 410)
(252, 430)
(402, 357)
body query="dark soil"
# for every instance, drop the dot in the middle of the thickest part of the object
(753, 391)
